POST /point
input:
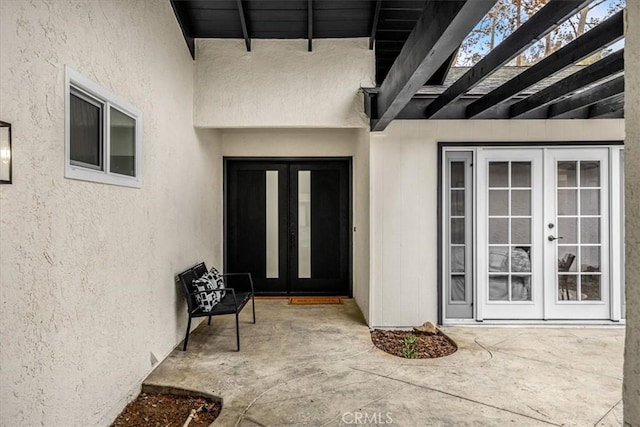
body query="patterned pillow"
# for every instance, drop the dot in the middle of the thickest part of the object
(208, 282)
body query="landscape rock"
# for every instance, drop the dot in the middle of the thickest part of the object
(427, 328)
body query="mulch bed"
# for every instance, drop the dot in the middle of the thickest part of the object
(425, 347)
(167, 410)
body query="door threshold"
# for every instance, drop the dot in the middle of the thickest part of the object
(537, 323)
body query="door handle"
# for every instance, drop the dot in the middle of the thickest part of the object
(552, 238)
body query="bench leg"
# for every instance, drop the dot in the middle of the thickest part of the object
(237, 332)
(209, 323)
(186, 337)
(253, 307)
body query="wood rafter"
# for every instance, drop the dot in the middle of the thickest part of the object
(540, 24)
(441, 28)
(599, 37)
(608, 66)
(588, 97)
(243, 23)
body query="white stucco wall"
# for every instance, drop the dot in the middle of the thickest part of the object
(632, 176)
(404, 183)
(86, 270)
(280, 84)
(320, 143)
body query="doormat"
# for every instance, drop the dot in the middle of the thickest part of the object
(314, 300)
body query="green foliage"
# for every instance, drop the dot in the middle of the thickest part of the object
(409, 350)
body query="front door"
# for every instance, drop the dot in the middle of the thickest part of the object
(543, 233)
(288, 223)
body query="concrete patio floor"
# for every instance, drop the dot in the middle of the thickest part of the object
(316, 366)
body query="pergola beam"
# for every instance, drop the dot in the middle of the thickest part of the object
(374, 24)
(608, 66)
(607, 108)
(540, 24)
(598, 38)
(588, 97)
(441, 28)
(243, 23)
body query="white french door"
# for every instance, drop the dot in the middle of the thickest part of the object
(542, 233)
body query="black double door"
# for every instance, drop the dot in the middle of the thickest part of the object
(288, 224)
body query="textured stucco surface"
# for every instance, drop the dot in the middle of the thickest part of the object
(404, 183)
(86, 270)
(280, 84)
(632, 231)
(320, 143)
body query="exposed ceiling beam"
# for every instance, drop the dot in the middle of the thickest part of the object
(374, 24)
(599, 37)
(243, 23)
(539, 25)
(608, 107)
(184, 22)
(588, 97)
(310, 25)
(608, 66)
(442, 27)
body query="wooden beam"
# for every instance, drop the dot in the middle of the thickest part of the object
(442, 27)
(540, 24)
(608, 66)
(185, 26)
(310, 25)
(603, 35)
(588, 97)
(607, 107)
(243, 23)
(374, 24)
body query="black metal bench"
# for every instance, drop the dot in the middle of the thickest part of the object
(232, 303)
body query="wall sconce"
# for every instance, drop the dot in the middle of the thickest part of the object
(5, 153)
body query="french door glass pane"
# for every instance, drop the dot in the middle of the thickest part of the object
(272, 225)
(498, 288)
(579, 223)
(521, 230)
(520, 174)
(498, 174)
(457, 288)
(457, 231)
(499, 202)
(457, 202)
(521, 259)
(521, 202)
(521, 288)
(498, 230)
(457, 175)
(457, 259)
(499, 258)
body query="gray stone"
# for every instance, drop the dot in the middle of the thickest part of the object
(427, 328)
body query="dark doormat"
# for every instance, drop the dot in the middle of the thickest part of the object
(314, 300)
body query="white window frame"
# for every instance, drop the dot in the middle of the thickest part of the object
(94, 93)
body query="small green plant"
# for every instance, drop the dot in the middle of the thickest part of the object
(409, 350)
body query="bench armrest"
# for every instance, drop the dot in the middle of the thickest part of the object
(241, 274)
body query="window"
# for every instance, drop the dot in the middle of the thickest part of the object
(103, 135)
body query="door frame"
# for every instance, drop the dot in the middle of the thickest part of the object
(615, 226)
(275, 159)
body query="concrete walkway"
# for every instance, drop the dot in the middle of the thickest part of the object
(316, 366)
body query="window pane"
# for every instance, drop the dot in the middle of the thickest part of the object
(521, 202)
(499, 202)
(457, 259)
(123, 144)
(521, 174)
(457, 230)
(457, 288)
(498, 258)
(521, 259)
(568, 230)
(498, 174)
(304, 224)
(498, 230)
(567, 287)
(590, 259)
(521, 288)
(567, 174)
(567, 258)
(85, 132)
(590, 174)
(590, 202)
(457, 174)
(590, 230)
(457, 202)
(498, 288)
(567, 202)
(521, 230)
(590, 287)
